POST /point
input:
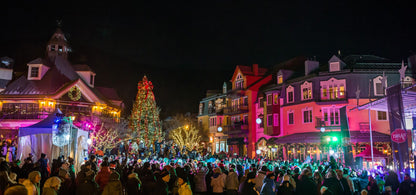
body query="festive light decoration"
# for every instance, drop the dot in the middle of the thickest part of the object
(144, 119)
(188, 137)
(107, 134)
(74, 93)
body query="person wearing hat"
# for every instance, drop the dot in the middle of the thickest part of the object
(286, 187)
(113, 186)
(269, 184)
(103, 176)
(248, 187)
(184, 188)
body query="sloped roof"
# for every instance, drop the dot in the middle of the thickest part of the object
(82, 67)
(248, 70)
(109, 93)
(60, 75)
(40, 61)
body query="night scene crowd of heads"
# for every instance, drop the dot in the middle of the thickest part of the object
(190, 173)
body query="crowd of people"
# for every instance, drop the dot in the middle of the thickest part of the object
(119, 175)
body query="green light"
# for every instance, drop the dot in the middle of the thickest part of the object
(328, 139)
(334, 139)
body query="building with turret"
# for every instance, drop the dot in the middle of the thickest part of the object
(52, 82)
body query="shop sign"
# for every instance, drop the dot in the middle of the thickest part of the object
(399, 136)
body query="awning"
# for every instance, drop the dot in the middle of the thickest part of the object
(408, 96)
(315, 137)
(367, 153)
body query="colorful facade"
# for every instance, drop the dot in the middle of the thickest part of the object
(53, 82)
(303, 109)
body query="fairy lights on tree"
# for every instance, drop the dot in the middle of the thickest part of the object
(187, 136)
(144, 119)
(108, 134)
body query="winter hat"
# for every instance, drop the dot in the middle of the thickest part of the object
(114, 176)
(164, 173)
(251, 175)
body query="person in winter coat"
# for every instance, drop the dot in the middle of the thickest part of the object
(317, 178)
(344, 183)
(286, 187)
(86, 183)
(199, 180)
(161, 185)
(363, 180)
(372, 187)
(407, 186)
(392, 180)
(16, 189)
(231, 182)
(260, 177)
(67, 188)
(103, 176)
(113, 186)
(217, 181)
(51, 186)
(133, 184)
(248, 186)
(332, 183)
(305, 184)
(32, 184)
(184, 188)
(269, 184)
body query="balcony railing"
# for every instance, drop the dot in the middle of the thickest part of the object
(17, 116)
(242, 108)
(236, 128)
(215, 111)
(320, 122)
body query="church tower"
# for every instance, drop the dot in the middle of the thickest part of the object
(58, 45)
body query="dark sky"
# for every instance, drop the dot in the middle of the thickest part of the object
(187, 48)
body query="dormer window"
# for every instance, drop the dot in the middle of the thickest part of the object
(306, 90)
(290, 94)
(34, 72)
(379, 89)
(334, 66)
(239, 82)
(279, 79)
(333, 89)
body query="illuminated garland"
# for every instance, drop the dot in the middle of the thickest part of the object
(77, 94)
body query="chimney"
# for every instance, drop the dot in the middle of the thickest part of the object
(256, 69)
(311, 65)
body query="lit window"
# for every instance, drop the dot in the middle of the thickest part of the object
(306, 90)
(381, 115)
(279, 79)
(275, 98)
(34, 72)
(333, 89)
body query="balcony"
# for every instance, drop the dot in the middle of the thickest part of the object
(321, 123)
(19, 116)
(242, 108)
(331, 98)
(213, 111)
(236, 128)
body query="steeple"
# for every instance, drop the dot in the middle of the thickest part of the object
(58, 45)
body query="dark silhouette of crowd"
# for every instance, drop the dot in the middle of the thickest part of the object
(119, 175)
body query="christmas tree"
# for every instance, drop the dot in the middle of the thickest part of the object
(144, 120)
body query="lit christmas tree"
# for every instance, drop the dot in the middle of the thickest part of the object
(144, 119)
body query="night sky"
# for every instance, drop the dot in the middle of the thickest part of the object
(187, 48)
